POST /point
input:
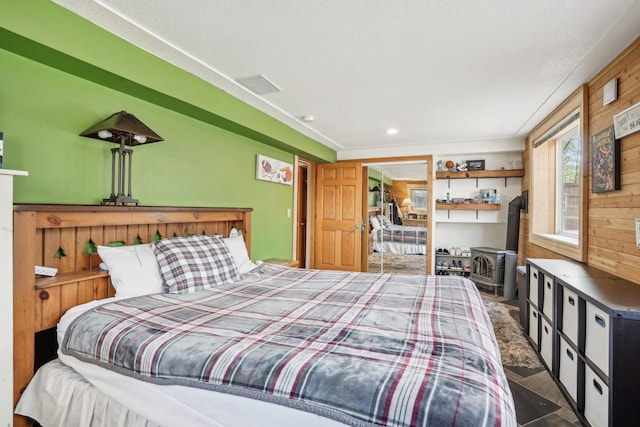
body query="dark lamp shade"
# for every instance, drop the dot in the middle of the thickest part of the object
(122, 124)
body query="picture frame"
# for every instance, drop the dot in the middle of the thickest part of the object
(268, 169)
(605, 161)
(475, 165)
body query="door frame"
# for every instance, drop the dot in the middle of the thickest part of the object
(429, 177)
(311, 191)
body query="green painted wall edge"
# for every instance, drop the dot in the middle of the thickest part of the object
(47, 33)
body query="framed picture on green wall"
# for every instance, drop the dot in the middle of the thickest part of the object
(268, 169)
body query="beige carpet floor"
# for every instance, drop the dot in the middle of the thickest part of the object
(393, 263)
(515, 349)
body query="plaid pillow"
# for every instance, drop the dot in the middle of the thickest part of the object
(385, 222)
(190, 264)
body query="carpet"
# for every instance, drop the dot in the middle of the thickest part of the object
(515, 350)
(394, 263)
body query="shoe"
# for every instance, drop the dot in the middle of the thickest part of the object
(458, 252)
(445, 252)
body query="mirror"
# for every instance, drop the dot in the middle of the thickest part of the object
(399, 200)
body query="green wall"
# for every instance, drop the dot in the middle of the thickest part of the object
(208, 157)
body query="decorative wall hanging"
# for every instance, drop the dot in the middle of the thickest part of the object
(475, 165)
(627, 121)
(605, 161)
(268, 169)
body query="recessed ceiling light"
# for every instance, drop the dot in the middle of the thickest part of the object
(392, 131)
(259, 84)
(308, 119)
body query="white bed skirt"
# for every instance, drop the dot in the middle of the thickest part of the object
(57, 396)
(400, 248)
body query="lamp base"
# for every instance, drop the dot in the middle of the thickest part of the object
(120, 200)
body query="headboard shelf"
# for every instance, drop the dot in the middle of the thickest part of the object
(40, 231)
(62, 279)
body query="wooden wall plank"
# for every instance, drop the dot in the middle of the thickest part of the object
(86, 292)
(83, 234)
(68, 243)
(610, 216)
(68, 297)
(51, 308)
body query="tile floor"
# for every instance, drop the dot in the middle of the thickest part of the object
(538, 399)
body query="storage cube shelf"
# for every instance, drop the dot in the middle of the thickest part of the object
(585, 324)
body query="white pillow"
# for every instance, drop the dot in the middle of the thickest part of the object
(375, 224)
(239, 253)
(134, 269)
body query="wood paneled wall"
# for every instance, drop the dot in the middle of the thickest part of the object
(401, 188)
(610, 216)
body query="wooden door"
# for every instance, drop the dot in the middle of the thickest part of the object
(338, 225)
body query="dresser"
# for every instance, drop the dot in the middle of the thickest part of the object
(6, 302)
(414, 222)
(585, 325)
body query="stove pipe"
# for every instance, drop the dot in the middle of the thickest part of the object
(513, 224)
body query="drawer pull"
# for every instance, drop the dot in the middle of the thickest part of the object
(600, 321)
(572, 301)
(535, 275)
(535, 314)
(597, 386)
(569, 354)
(546, 330)
(548, 285)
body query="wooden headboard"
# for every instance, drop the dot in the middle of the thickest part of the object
(59, 235)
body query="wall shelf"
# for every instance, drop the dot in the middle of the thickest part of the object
(467, 207)
(506, 173)
(64, 278)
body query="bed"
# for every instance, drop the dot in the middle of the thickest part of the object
(397, 239)
(273, 346)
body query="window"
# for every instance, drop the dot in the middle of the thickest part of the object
(418, 195)
(419, 198)
(568, 181)
(557, 173)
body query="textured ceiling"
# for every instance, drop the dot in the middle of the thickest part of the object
(441, 72)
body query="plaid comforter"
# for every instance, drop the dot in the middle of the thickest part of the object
(363, 349)
(402, 234)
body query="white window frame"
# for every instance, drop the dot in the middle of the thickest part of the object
(542, 200)
(561, 201)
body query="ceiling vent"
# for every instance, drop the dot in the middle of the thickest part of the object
(259, 84)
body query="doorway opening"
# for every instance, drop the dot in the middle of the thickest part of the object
(302, 211)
